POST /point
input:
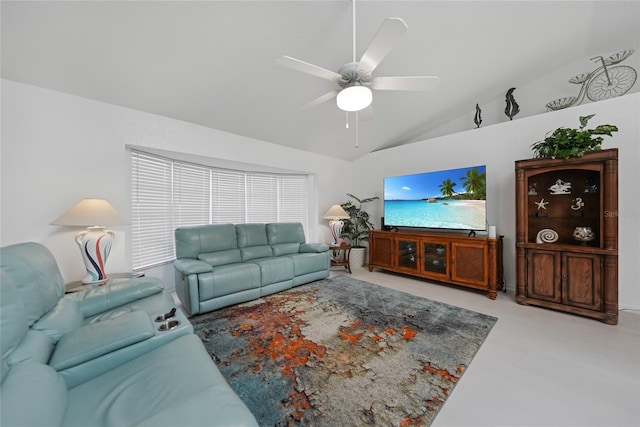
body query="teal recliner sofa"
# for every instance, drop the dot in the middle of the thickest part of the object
(109, 356)
(223, 264)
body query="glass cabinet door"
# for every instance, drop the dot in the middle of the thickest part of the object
(408, 254)
(435, 257)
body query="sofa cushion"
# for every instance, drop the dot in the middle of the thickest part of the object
(285, 248)
(35, 347)
(230, 256)
(309, 262)
(191, 241)
(228, 279)
(64, 317)
(13, 321)
(253, 252)
(285, 232)
(35, 273)
(32, 394)
(135, 391)
(97, 339)
(116, 293)
(274, 270)
(251, 235)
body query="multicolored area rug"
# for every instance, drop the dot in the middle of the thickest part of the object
(343, 352)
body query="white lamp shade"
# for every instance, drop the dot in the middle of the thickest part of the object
(89, 213)
(336, 212)
(354, 98)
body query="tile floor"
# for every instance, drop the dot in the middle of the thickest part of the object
(537, 367)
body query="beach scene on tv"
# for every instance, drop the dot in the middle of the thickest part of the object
(453, 199)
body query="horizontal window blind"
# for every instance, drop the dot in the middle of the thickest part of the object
(151, 210)
(167, 194)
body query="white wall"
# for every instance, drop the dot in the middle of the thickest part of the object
(58, 149)
(498, 147)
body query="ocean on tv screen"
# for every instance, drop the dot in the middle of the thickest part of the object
(451, 199)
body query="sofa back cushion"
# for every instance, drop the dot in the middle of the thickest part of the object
(13, 322)
(35, 273)
(251, 235)
(61, 319)
(285, 232)
(192, 241)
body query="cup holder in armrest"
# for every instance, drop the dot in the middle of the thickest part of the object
(166, 316)
(168, 325)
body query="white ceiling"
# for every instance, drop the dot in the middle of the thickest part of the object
(213, 62)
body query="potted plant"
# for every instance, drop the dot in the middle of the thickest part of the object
(566, 142)
(356, 228)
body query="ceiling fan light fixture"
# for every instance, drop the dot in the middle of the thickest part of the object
(354, 98)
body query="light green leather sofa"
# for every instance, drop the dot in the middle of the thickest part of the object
(224, 264)
(99, 357)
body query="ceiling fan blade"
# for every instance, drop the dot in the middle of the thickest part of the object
(305, 67)
(324, 98)
(406, 83)
(385, 39)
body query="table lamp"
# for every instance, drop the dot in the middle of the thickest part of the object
(336, 214)
(94, 242)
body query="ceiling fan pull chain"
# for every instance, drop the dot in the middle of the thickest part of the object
(347, 119)
(357, 131)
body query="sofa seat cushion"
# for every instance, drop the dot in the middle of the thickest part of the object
(190, 391)
(32, 394)
(228, 279)
(274, 270)
(230, 256)
(309, 262)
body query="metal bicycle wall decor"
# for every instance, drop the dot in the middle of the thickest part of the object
(607, 81)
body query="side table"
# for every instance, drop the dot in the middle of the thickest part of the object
(340, 256)
(77, 286)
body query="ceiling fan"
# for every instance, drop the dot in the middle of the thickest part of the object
(354, 80)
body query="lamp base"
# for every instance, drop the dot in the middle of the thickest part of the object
(335, 225)
(95, 246)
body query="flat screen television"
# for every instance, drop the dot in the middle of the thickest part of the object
(449, 199)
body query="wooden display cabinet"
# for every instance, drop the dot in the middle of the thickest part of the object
(567, 234)
(474, 262)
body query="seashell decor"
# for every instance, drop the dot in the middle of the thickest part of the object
(546, 235)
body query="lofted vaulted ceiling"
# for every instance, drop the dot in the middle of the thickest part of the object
(212, 63)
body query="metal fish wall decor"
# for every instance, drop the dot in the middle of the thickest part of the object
(512, 107)
(477, 119)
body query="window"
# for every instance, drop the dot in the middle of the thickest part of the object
(167, 194)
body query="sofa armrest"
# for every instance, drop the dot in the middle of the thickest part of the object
(192, 266)
(97, 339)
(314, 247)
(116, 293)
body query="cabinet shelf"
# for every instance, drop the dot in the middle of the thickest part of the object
(474, 262)
(570, 199)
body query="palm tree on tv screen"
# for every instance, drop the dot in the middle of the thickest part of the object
(475, 184)
(446, 188)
